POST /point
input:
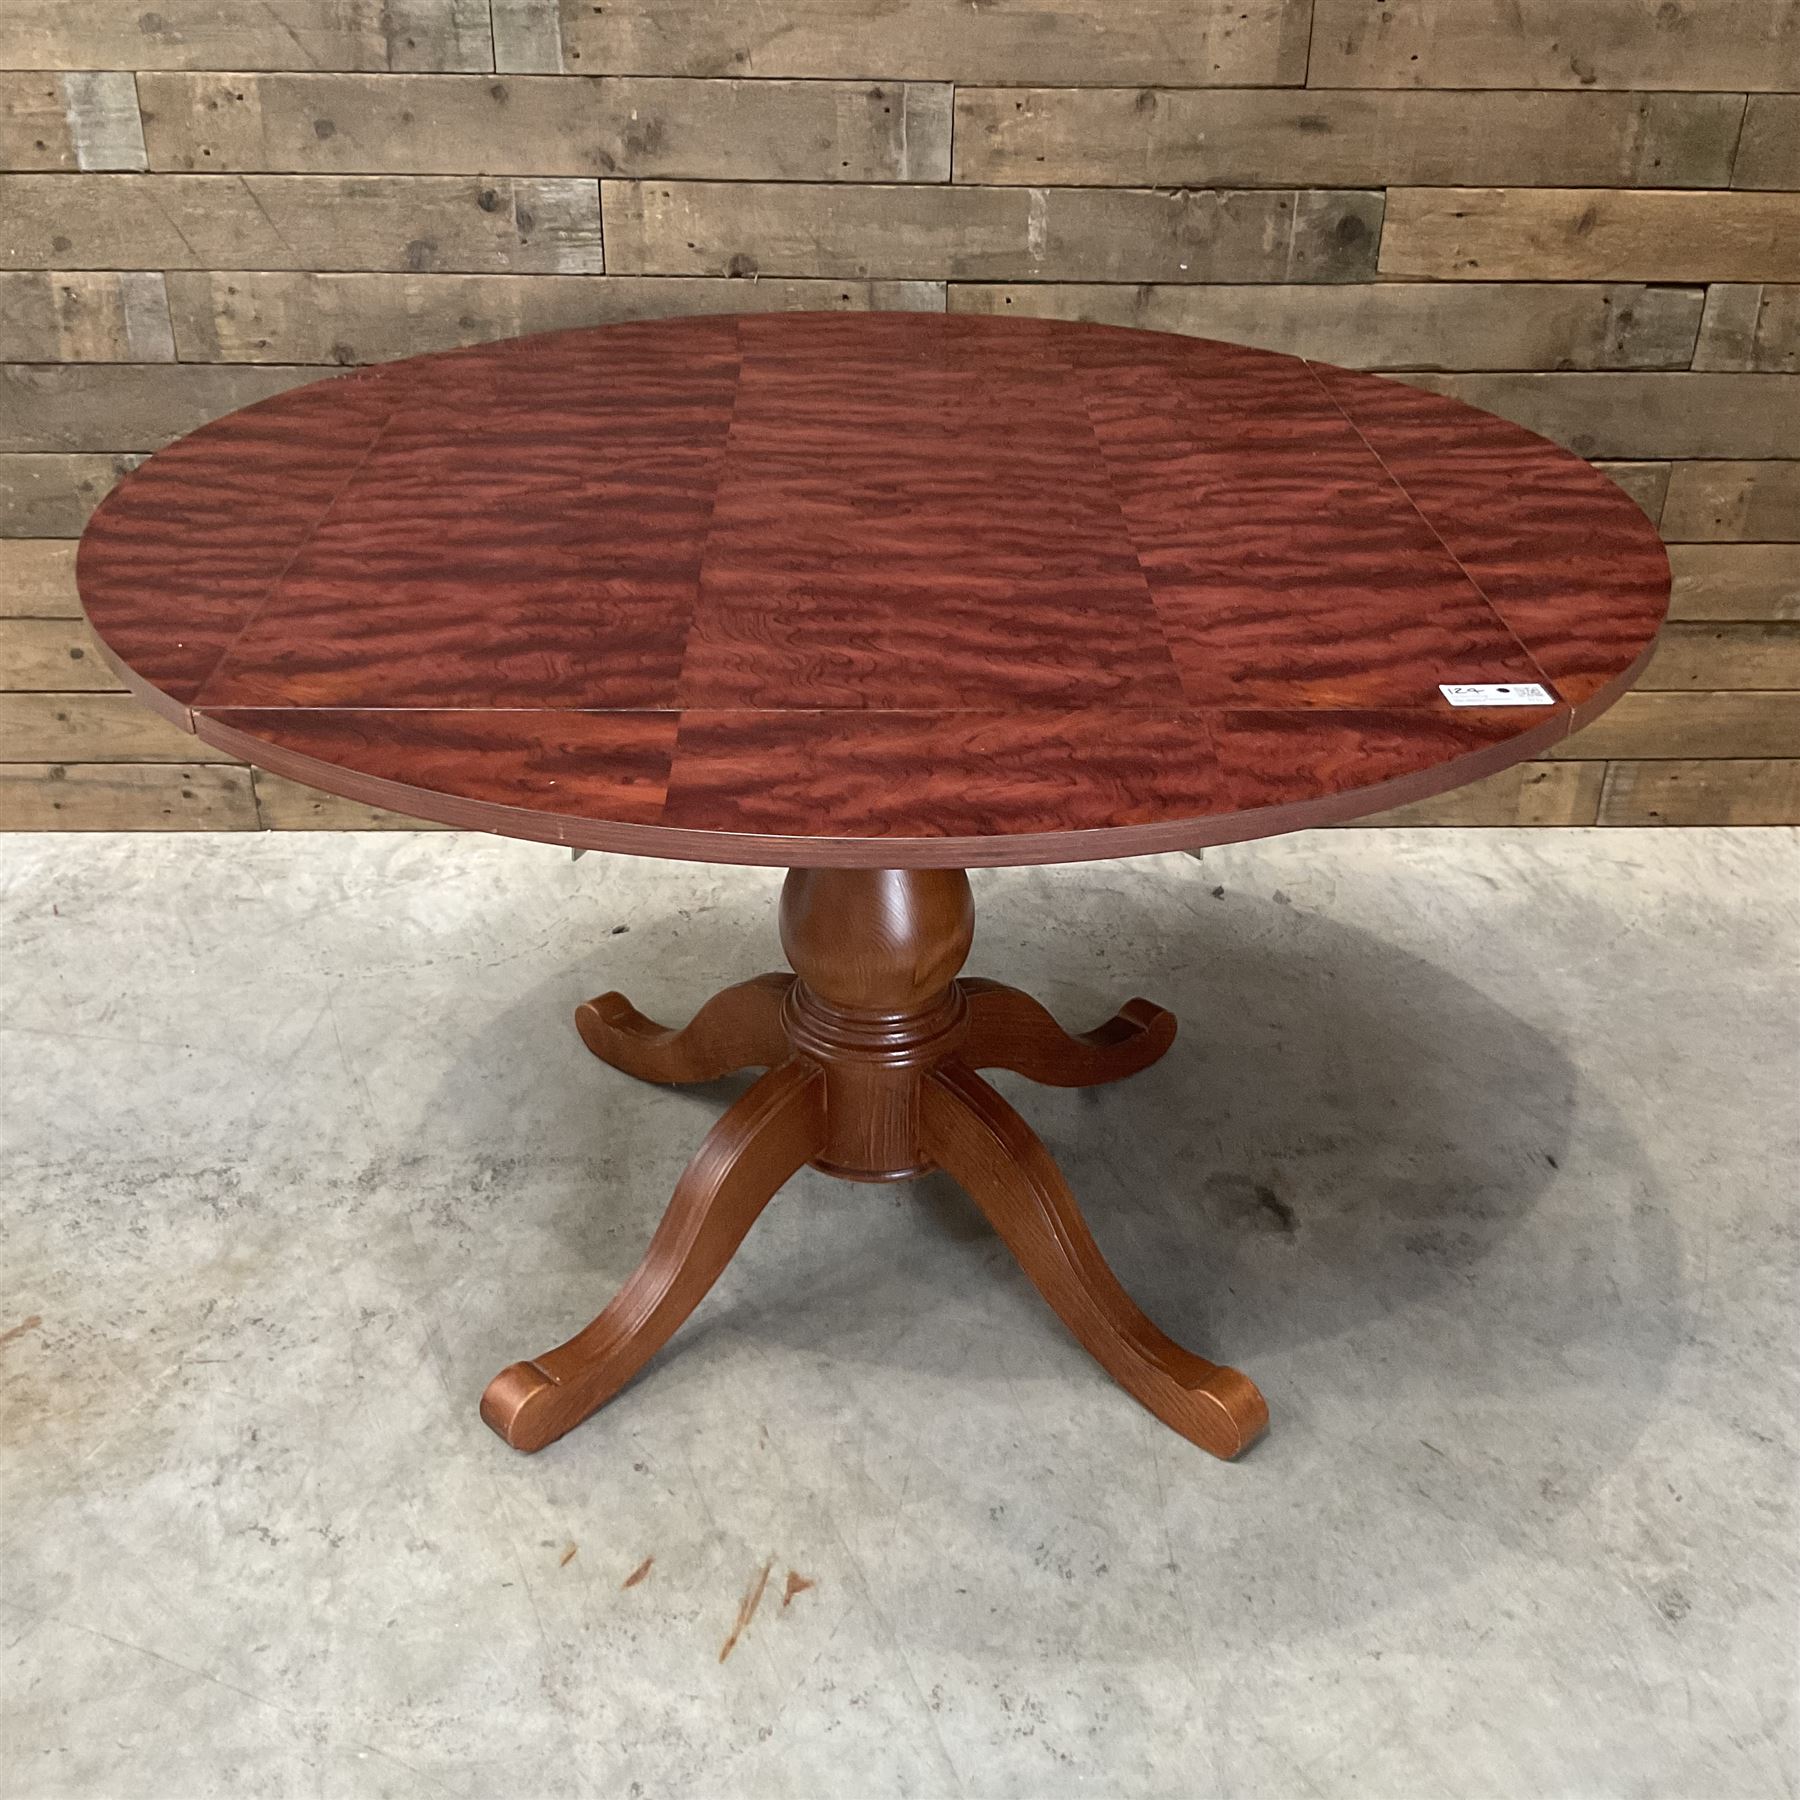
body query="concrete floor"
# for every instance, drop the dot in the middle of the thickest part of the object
(1477, 1151)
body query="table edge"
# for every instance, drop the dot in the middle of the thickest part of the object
(674, 843)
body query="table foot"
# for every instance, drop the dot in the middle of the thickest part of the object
(775, 1127)
(1010, 1030)
(982, 1143)
(738, 1028)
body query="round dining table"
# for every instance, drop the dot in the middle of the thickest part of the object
(875, 598)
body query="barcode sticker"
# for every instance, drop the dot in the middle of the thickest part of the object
(1497, 693)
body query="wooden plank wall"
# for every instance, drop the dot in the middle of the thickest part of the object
(1584, 214)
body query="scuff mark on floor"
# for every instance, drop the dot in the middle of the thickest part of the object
(747, 1609)
(568, 1556)
(796, 1584)
(638, 1573)
(19, 1330)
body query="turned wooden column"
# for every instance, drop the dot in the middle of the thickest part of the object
(877, 952)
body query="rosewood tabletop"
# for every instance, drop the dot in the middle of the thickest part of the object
(879, 598)
(890, 589)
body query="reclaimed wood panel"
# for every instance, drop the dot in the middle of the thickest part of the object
(84, 315)
(1739, 792)
(1556, 44)
(1585, 217)
(226, 34)
(53, 655)
(1753, 326)
(1735, 581)
(49, 496)
(970, 233)
(1768, 153)
(126, 797)
(92, 728)
(1540, 793)
(549, 125)
(1705, 656)
(1646, 482)
(37, 579)
(85, 120)
(1186, 43)
(1696, 726)
(1757, 502)
(1388, 325)
(283, 805)
(289, 317)
(1590, 234)
(1642, 415)
(1161, 137)
(126, 406)
(299, 222)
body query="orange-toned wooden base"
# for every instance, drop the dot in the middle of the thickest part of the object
(871, 1048)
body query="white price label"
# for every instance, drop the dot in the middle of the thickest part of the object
(1497, 693)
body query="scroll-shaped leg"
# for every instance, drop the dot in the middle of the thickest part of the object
(738, 1028)
(1010, 1030)
(775, 1127)
(980, 1141)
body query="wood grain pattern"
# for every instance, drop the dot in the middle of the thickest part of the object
(1652, 726)
(81, 315)
(1550, 44)
(247, 316)
(125, 797)
(738, 1028)
(299, 222)
(49, 495)
(1546, 793)
(73, 727)
(292, 806)
(37, 579)
(512, 770)
(1049, 770)
(223, 34)
(1202, 592)
(1642, 414)
(1750, 325)
(69, 121)
(1702, 793)
(53, 655)
(1386, 325)
(1705, 657)
(1171, 137)
(1589, 234)
(548, 125)
(1004, 234)
(216, 518)
(765, 1137)
(984, 1144)
(1647, 483)
(876, 1006)
(1768, 153)
(1735, 581)
(1710, 502)
(1511, 515)
(1188, 42)
(125, 406)
(1008, 1029)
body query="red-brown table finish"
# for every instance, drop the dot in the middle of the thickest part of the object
(878, 598)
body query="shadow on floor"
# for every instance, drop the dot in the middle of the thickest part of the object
(1343, 1131)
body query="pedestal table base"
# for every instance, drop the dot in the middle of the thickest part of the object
(872, 1048)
